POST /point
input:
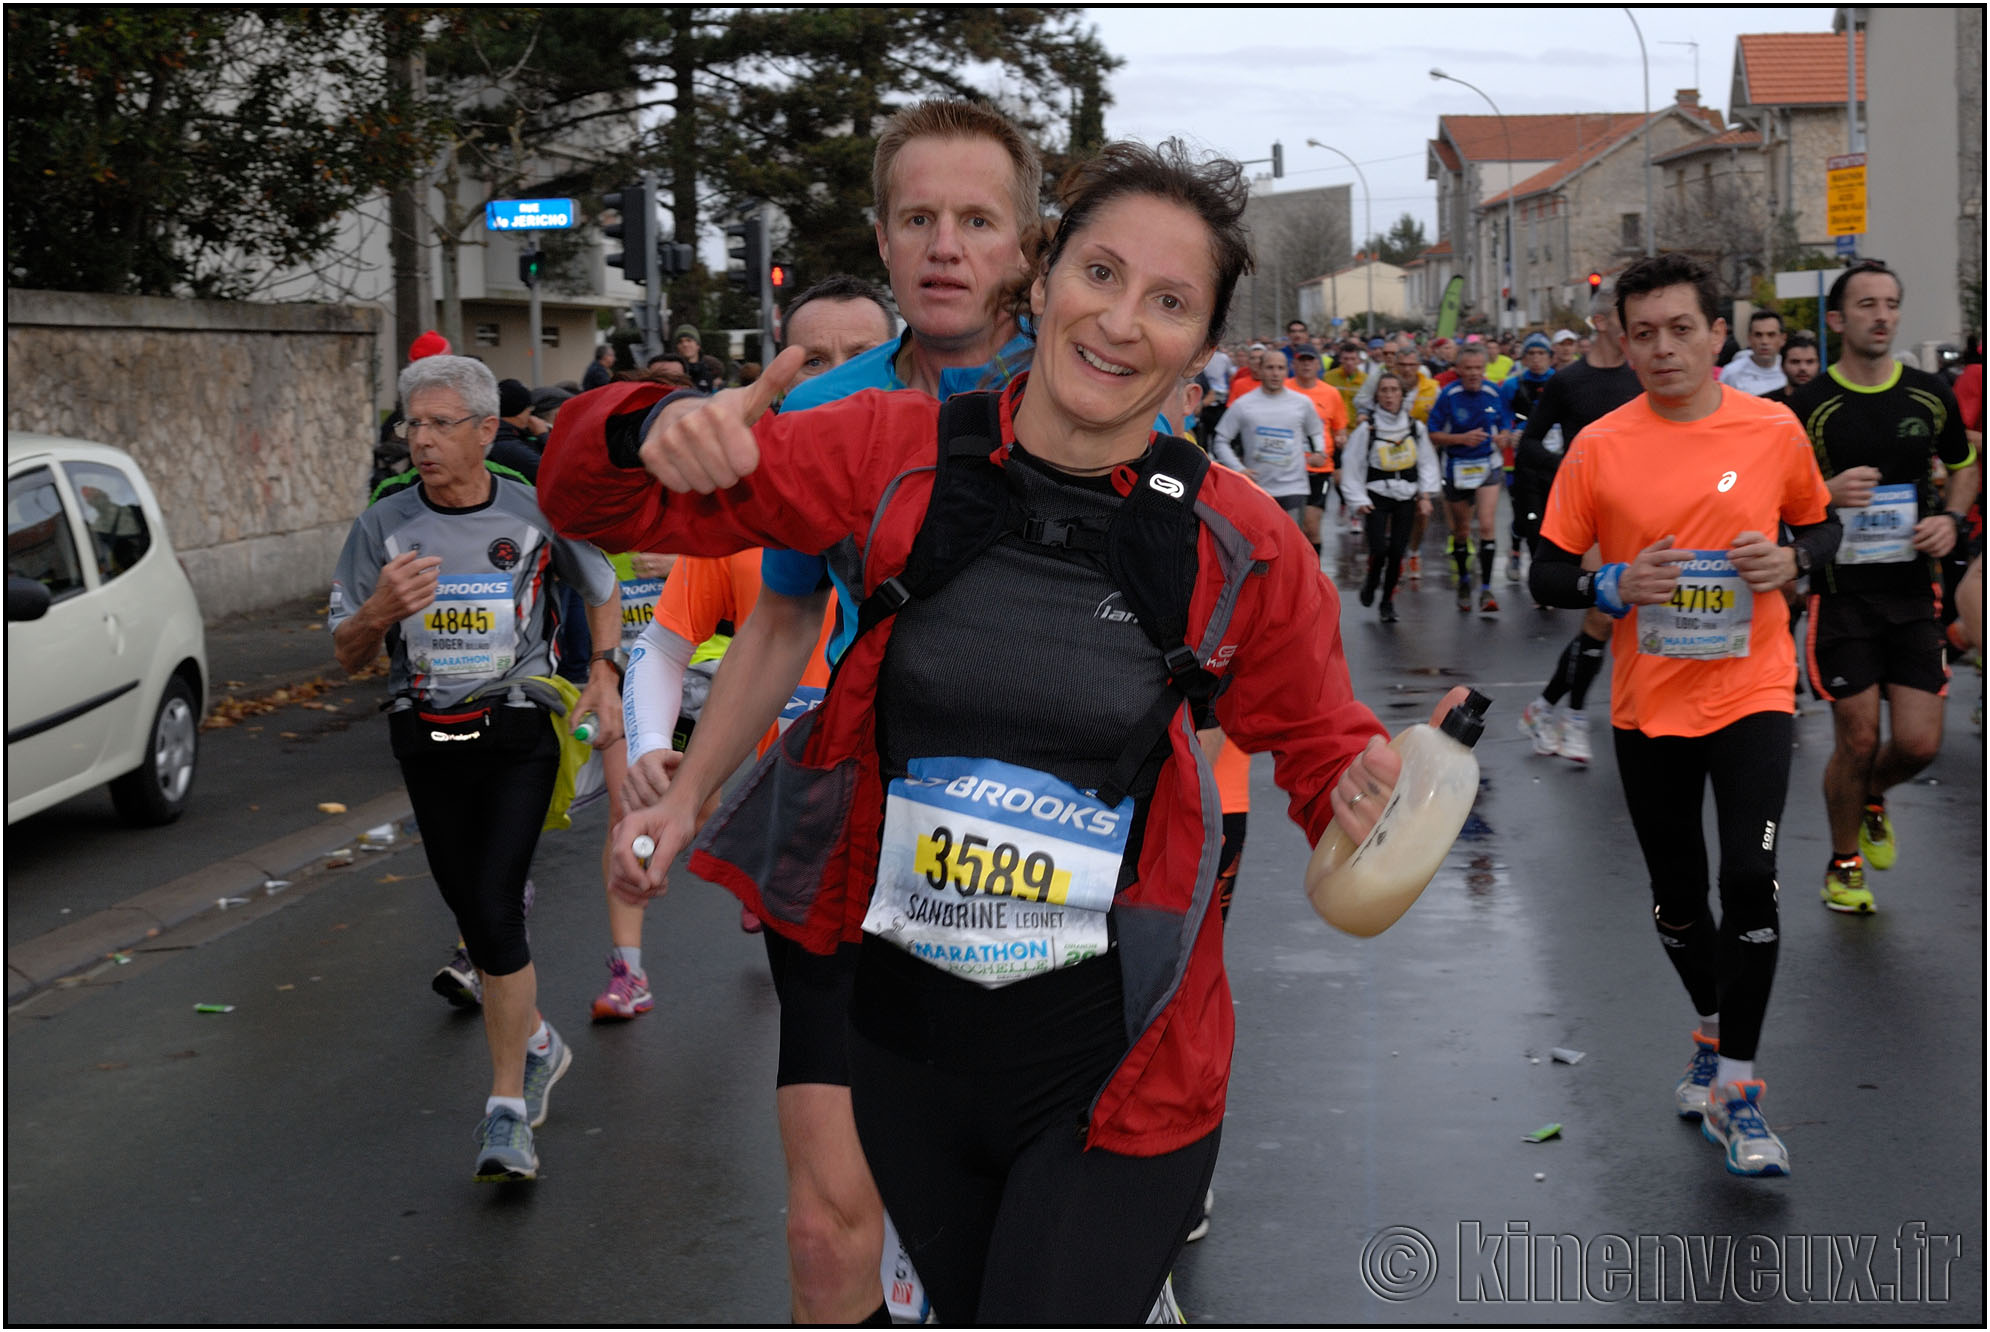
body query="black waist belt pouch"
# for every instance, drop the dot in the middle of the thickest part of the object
(472, 730)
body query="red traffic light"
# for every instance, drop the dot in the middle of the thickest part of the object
(1595, 281)
(779, 276)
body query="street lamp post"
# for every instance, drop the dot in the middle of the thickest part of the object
(1368, 224)
(1506, 131)
(1651, 223)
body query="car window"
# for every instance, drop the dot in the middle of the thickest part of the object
(112, 514)
(40, 544)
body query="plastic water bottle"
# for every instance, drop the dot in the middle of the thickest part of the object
(584, 732)
(1365, 889)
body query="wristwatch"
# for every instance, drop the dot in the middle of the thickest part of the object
(1802, 554)
(617, 659)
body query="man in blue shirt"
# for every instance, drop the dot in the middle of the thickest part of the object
(1468, 423)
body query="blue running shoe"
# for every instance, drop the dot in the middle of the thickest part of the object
(541, 1072)
(1734, 1121)
(1692, 1089)
(504, 1149)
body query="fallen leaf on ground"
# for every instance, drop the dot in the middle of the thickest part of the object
(390, 878)
(231, 710)
(330, 806)
(286, 987)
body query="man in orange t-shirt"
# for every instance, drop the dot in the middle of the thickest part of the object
(1683, 489)
(1332, 408)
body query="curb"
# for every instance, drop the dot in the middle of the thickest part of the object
(80, 944)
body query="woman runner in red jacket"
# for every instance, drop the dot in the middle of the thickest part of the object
(1041, 1028)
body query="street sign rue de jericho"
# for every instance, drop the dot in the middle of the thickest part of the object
(531, 214)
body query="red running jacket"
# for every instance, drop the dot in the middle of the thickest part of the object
(1261, 614)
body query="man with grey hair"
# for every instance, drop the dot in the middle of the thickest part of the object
(445, 571)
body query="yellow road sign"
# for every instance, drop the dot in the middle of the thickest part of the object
(1845, 195)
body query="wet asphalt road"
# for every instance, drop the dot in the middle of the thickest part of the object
(306, 1157)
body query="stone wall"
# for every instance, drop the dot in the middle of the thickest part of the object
(254, 423)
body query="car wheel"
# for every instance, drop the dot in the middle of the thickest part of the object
(156, 790)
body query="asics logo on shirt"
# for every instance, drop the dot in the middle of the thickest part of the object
(1727, 482)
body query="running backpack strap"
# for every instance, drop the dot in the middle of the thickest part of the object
(971, 508)
(1151, 557)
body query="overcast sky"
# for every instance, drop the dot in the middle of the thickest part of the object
(1234, 79)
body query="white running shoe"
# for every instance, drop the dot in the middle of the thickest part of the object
(1540, 723)
(1575, 736)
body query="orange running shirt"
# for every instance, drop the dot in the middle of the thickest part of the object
(701, 592)
(1241, 383)
(1233, 778)
(1333, 415)
(1632, 477)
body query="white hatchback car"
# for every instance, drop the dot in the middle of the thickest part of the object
(106, 656)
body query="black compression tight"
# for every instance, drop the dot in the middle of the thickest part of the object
(1007, 1218)
(1387, 528)
(480, 822)
(1576, 671)
(1727, 967)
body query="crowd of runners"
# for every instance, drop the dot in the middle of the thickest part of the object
(993, 898)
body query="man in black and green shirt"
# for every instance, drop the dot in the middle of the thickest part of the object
(1878, 427)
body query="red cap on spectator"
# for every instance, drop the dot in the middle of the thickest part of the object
(430, 343)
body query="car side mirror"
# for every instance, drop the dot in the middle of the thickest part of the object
(27, 598)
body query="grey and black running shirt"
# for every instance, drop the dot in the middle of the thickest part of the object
(492, 619)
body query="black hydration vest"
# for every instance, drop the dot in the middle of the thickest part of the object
(1148, 546)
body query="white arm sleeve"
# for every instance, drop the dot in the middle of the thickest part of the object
(654, 689)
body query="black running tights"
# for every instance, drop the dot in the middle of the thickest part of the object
(1007, 1218)
(1727, 967)
(1387, 527)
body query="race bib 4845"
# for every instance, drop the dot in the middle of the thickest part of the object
(995, 872)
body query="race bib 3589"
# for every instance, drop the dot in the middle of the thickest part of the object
(995, 872)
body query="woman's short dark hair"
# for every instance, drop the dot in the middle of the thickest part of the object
(1390, 377)
(1669, 270)
(1213, 189)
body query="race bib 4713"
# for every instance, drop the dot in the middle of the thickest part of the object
(1708, 616)
(995, 872)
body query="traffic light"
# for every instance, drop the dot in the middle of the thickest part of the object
(748, 260)
(780, 277)
(633, 202)
(673, 259)
(529, 261)
(1278, 161)
(1595, 283)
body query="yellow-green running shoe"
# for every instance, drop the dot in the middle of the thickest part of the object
(1845, 888)
(1876, 837)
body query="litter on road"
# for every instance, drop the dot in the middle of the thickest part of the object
(1563, 1056)
(214, 1008)
(1542, 1134)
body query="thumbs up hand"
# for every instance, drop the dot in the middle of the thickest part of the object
(708, 445)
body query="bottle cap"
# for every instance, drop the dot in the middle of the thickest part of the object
(1467, 722)
(644, 849)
